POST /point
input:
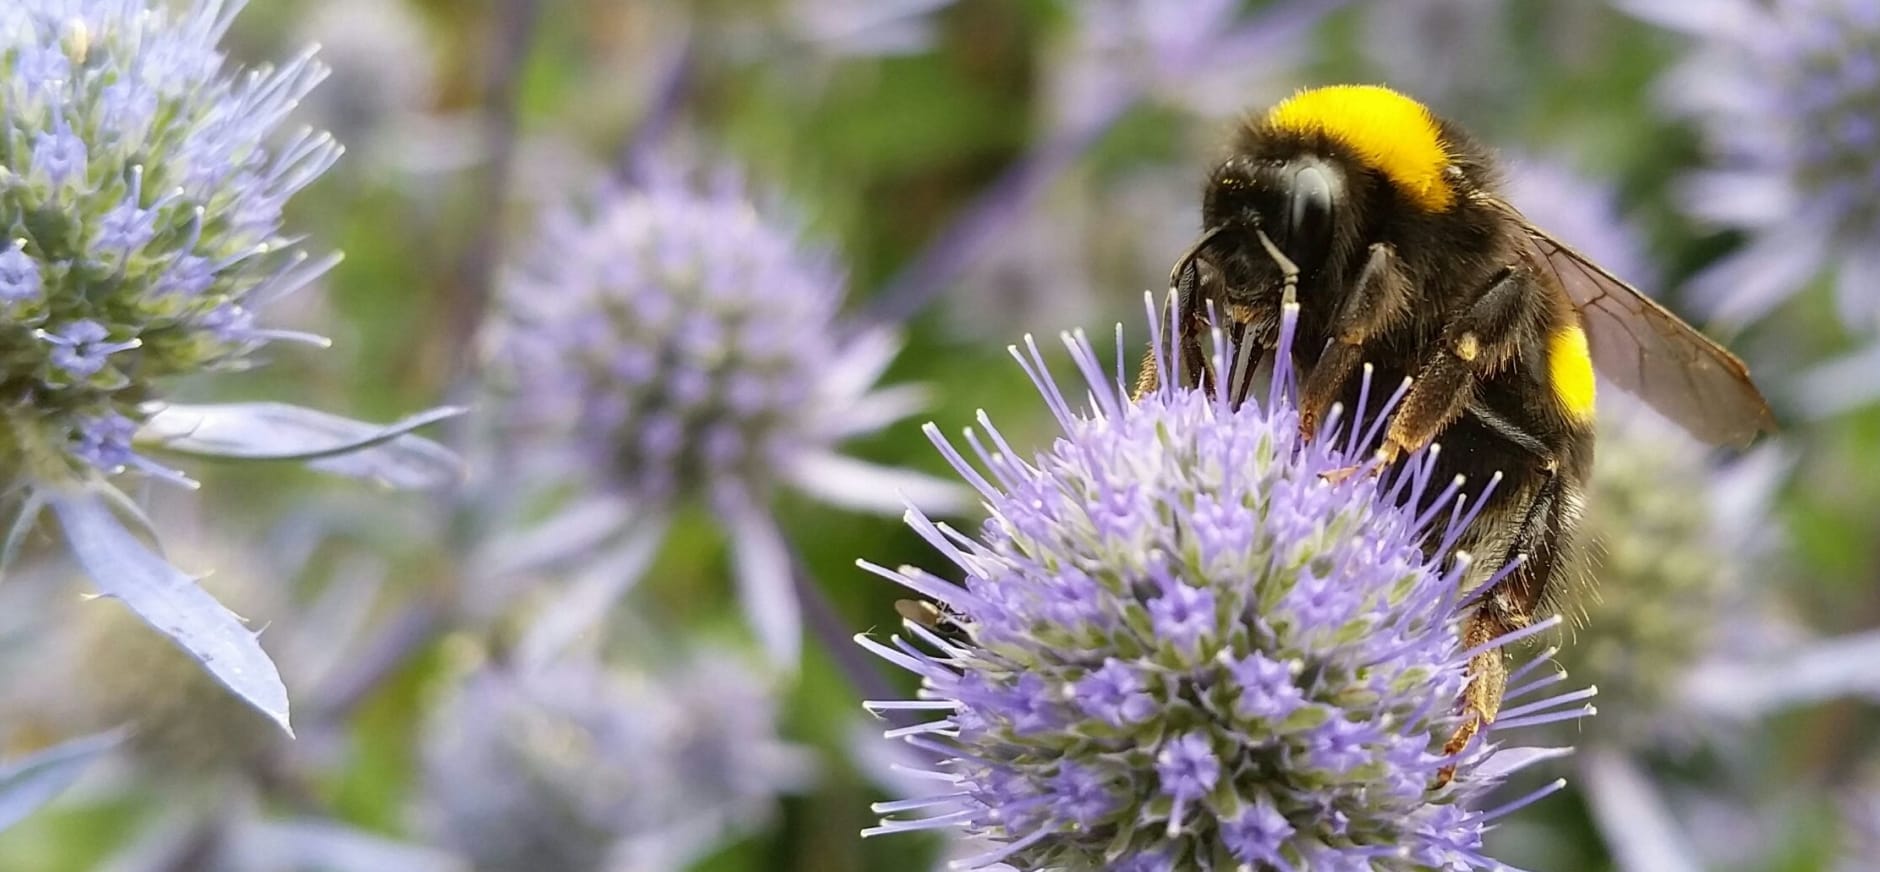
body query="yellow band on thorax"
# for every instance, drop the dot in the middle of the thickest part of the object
(1570, 371)
(1387, 131)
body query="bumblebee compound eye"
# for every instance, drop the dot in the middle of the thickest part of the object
(1314, 191)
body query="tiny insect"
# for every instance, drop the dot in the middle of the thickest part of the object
(943, 623)
(1383, 221)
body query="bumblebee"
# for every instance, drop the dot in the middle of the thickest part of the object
(1383, 222)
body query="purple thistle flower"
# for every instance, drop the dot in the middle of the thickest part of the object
(1680, 540)
(1188, 769)
(1257, 834)
(676, 345)
(1787, 96)
(1685, 642)
(1300, 682)
(1145, 861)
(164, 171)
(58, 152)
(1268, 688)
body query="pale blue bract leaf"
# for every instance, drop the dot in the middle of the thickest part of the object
(32, 781)
(314, 844)
(1639, 827)
(170, 601)
(385, 453)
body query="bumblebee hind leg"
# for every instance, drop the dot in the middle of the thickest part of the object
(1537, 553)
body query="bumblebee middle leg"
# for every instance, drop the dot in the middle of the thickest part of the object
(1477, 345)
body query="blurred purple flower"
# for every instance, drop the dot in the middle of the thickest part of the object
(1206, 56)
(674, 345)
(1787, 96)
(1581, 211)
(1480, 61)
(1203, 55)
(1840, 385)
(1680, 545)
(572, 767)
(1037, 274)
(1190, 550)
(1441, 50)
(865, 28)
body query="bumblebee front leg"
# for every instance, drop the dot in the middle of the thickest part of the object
(1196, 281)
(1380, 297)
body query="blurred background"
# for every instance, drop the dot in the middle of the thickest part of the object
(976, 169)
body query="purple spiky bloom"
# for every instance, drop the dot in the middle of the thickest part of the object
(1179, 645)
(678, 344)
(1787, 96)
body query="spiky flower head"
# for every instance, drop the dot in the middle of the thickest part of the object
(1181, 645)
(575, 767)
(684, 336)
(674, 343)
(141, 189)
(1787, 95)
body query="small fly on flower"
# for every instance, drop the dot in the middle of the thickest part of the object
(934, 617)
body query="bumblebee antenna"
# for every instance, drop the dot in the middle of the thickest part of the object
(1289, 271)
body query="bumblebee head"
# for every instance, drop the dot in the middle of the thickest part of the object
(1314, 175)
(1298, 203)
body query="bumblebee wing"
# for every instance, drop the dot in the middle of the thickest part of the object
(1645, 349)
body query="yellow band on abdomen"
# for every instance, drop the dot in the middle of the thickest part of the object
(1570, 370)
